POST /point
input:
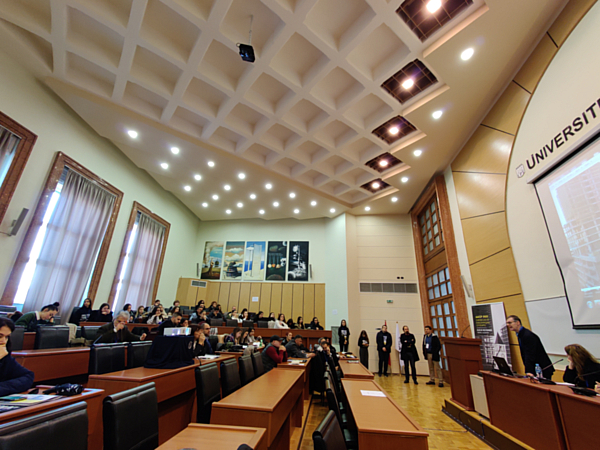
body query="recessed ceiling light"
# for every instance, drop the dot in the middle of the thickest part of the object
(313, 203)
(375, 185)
(262, 211)
(417, 152)
(197, 177)
(268, 186)
(132, 134)
(466, 54)
(404, 179)
(437, 114)
(215, 197)
(175, 150)
(187, 188)
(275, 204)
(241, 176)
(227, 187)
(211, 164)
(205, 205)
(164, 166)
(252, 196)
(394, 130)
(383, 163)
(292, 195)
(296, 211)
(408, 83)
(240, 205)
(228, 211)
(394, 199)
(367, 208)
(332, 210)
(434, 5)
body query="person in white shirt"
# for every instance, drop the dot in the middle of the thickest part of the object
(280, 322)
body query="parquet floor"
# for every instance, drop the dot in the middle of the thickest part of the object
(422, 402)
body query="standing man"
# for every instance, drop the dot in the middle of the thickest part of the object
(384, 346)
(117, 331)
(431, 352)
(409, 354)
(532, 350)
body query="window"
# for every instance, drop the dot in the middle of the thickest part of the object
(431, 232)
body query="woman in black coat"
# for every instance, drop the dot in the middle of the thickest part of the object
(363, 345)
(344, 336)
(583, 369)
(82, 314)
(104, 314)
(384, 346)
(409, 354)
(14, 378)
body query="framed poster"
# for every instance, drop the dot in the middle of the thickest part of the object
(233, 261)
(254, 261)
(297, 269)
(212, 260)
(276, 260)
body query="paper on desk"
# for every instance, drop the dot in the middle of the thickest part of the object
(372, 393)
(208, 357)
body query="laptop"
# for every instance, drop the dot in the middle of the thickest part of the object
(177, 331)
(503, 366)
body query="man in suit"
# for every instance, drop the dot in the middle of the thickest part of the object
(384, 346)
(117, 331)
(295, 349)
(532, 350)
(431, 352)
(172, 322)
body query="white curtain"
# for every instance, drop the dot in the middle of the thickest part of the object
(8, 149)
(73, 238)
(140, 273)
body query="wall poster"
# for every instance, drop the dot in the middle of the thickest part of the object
(276, 260)
(254, 261)
(212, 261)
(233, 261)
(297, 269)
(490, 327)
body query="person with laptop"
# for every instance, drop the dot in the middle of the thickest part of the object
(532, 350)
(172, 322)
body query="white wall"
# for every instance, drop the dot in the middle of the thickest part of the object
(569, 86)
(58, 128)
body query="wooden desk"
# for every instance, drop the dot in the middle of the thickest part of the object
(29, 340)
(130, 326)
(93, 398)
(380, 421)
(272, 401)
(311, 337)
(579, 417)
(217, 437)
(305, 368)
(54, 363)
(175, 391)
(355, 370)
(528, 411)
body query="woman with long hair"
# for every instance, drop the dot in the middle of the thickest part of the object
(82, 314)
(103, 314)
(235, 336)
(363, 345)
(344, 336)
(300, 323)
(315, 325)
(583, 369)
(280, 321)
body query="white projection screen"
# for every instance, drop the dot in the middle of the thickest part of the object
(570, 200)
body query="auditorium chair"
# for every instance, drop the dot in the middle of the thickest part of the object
(257, 364)
(339, 393)
(328, 435)
(246, 369)
(348, 429)
(262, 324)
(230, 377)
(106, 358)
(137, 352)
(89, 332)
(51, 336)
(16, 338)
(316, 380)
(63, 428)
(247, 324)
(214, 340)
(216, 322)
(130, 419)
(208, 390)
(231, 323)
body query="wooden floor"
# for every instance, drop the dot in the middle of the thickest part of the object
(422, 402)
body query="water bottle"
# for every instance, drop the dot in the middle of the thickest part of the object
(538, 371)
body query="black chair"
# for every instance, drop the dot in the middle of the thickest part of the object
(214, 340)
(262, 324)
(316, 381)
(247, 324)
(216, 322)
(246, 369)
(130, 419)
(328, 435)
(89, 332)
(137, 352)
(106, 358)
(208, 390)
(230, 377)
(63, 428)
(231, 323)
(51, 336)
(348, 428)
(72, 315)
(16, 338)
(257, 364)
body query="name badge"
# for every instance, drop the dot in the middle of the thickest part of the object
(385, 339)
(427, 346)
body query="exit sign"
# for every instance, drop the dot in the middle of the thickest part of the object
(390, 301)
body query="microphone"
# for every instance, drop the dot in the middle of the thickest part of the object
(463, 332)
(556, 362)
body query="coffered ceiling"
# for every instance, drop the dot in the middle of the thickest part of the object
(301, 117)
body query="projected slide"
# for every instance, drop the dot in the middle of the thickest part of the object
(570, 199)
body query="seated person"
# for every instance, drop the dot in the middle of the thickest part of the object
(280, 322)
(212, 307)
(259, 316)
(231, 313)
(127, 307)
(216, 313)
(32, 319)
(288, 338)
(244, 315)
(252, 338)
(172, 322)
(157, 316)
(199, 315)
(117, 331)
(140, 315)
(315, 325)
(82, 314)
(175, 309)
(326, 355)
(104, 314)
(176, 304)
(583, 369)
(200, 338)
(291, 324)
(235, 336)
(208, 350)
(14, 378)
(274, 353)
(295, 349)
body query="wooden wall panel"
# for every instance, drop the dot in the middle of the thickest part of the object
(485, 235)
(309, 301)
(495, 277)
(286, 300)
(319, 303)
(487, 151)
(478, 193)
(244, 300)
(255, 292)
(297, 299)
(276, 289)
(265, 299)
(224, 295)
(506, 114)
(213, 293)
(234, 296)
(535, 66)
(568, 19)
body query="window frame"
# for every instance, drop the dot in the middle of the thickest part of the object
(60, 162)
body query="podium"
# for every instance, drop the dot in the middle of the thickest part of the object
(464, 359)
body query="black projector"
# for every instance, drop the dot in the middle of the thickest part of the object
(247, 52)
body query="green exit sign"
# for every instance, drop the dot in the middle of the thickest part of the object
(390, 301)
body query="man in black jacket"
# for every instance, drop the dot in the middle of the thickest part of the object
(295, 349)
(117, 331)
(532, 350)
(172, 322)
(384, 346)
(431, 352)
